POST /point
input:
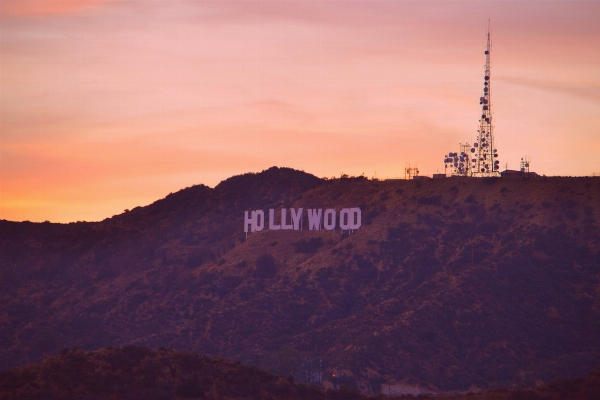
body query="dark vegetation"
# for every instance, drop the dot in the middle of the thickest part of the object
(449, 284)
(265, 266)
(134, 372)
(308, 245)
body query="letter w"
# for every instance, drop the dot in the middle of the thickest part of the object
(314, 219)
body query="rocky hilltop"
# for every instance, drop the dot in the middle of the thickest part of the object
(449, 284)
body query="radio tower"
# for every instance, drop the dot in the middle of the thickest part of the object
(484, 160)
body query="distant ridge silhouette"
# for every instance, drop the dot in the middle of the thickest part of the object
(450, 284)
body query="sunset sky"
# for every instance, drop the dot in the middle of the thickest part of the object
(112, 104)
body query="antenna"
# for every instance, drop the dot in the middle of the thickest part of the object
(525, 165)
(484, 161)
(410, 173)
(458, 163)
(481, 158)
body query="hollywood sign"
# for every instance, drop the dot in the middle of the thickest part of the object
(349, 219)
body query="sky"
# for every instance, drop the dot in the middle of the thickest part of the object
(106, 105)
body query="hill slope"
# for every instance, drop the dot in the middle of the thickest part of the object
(134, 372)
(448, 284)
(139, 373)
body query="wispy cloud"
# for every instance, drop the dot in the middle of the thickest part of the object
(582, 90)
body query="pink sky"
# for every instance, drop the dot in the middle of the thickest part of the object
(108, 104)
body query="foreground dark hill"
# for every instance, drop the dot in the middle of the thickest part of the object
(449, 284)
(139, 373)
(134, 372)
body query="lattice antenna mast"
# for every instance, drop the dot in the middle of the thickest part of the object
(485, 162)
(458, 164)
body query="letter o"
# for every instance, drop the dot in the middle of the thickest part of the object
(345, 219)
(326, 224)
(355, 213)
(258, 227)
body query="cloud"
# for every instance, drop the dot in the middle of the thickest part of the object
(587, 92)
(42, 8)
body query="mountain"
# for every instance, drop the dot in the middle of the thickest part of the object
(139, 373)
(449, 284)
(134, 372)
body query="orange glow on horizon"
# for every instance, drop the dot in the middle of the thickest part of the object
(107, 105)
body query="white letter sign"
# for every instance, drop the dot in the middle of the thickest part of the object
(248, 221)
(345, 219)
(314, 219)
(329, 225)
(296, 217)
(355, 218)
(284, 224)
(259, 223)
(272, 225)
(350, 219)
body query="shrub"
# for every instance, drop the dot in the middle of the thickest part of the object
(195, 259)
(189, 389)
(308, 246)
(431, 201)
(572, 215)
(265, 265)
(346, 391)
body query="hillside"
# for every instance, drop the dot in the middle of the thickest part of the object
(139, 373)
(134, 372)
(450, 284)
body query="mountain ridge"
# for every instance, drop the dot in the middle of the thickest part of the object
(448, 284)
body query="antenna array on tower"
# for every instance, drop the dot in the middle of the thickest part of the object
(482, 158)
